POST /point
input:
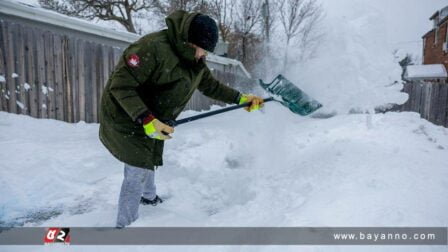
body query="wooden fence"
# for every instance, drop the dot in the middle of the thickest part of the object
(429, 99)
(46, 74)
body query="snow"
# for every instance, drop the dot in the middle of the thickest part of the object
(426, 71)
(44, 89)
(26, 86)
(33, 11)
(354, 67)
(20, 104)
(144, 22)
(14, 75)
(443, 13)
(272, 168)
(227, 62)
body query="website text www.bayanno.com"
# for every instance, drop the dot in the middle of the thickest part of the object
(372, 236)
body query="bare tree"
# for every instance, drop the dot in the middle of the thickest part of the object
(222, 11)
(166, 7)
(253, 49)
(247, 19)
(298, 19)
(121, 11)
(268, 11)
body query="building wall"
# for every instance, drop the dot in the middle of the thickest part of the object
(433, 52)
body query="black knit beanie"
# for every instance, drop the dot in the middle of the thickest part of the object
(203, 32)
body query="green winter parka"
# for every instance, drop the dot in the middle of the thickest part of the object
(157, 73)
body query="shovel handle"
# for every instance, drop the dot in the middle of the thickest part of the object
(174, 123)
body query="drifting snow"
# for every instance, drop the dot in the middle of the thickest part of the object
(354, 66)
(14, 75)
(2, 78)
(269, 169)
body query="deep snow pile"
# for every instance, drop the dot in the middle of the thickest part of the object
(268, 168)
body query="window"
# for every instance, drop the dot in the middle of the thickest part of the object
(446, 33)
(424, 47)
(436, 35)
(445, 45)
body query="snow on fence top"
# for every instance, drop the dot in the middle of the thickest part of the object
(434, 71)
(38, 14)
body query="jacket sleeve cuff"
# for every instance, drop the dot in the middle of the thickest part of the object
(238, 98)
(145, 117)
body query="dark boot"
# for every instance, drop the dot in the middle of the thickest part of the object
(154, 202)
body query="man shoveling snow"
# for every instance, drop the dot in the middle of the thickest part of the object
(151, 84)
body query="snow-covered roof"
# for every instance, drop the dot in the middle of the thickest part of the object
(38, 14)
(440, 14)
(228, 61)
(434, 71)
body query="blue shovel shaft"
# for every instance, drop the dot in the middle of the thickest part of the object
(174, 123)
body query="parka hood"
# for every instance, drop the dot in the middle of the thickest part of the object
(178, 24)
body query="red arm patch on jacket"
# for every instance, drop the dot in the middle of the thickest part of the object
(133, 60)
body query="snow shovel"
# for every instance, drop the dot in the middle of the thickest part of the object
(281, 89)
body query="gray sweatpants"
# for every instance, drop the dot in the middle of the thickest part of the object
(137, 181)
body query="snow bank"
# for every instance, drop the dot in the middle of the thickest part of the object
(269, 169)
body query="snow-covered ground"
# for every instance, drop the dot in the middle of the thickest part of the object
(270, 168)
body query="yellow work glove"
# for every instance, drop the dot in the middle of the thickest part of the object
(155, 128)
(256, 102)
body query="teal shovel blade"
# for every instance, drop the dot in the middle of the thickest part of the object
(291, 96)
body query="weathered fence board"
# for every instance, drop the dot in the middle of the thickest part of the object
(40, 57)
(442, 105)
(58, 77)
(20, 78)
(429, 99)
(31, 74)
(10, 68)
(2, 69)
